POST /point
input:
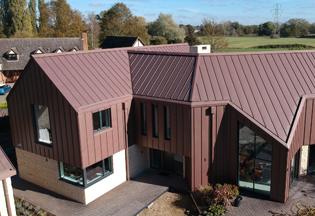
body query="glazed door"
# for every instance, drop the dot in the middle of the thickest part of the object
(294, 169)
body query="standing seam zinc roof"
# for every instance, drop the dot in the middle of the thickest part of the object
(89, 77)
(267, 86)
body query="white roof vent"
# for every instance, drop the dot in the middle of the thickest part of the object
(200, 49)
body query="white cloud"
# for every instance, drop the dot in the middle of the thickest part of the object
(96, 4)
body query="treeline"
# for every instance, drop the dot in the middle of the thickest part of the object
(56, 19)
(291, 28)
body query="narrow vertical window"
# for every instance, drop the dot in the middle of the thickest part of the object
(167, 123)
(143, 112)
(42, 124)
(155, 120)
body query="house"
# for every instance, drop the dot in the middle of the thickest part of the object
(85, 122)
(7, 170)
(16, 53)
(121, 41)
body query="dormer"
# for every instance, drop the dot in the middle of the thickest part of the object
(13, 54)
(39, 50)
(59, 50)
(74, 49)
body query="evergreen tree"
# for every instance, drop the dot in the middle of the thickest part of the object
(6, 18)
(18, 13)
(62, 24)
(33, 12)
(44, 29)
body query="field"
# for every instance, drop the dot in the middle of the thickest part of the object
(243, 44)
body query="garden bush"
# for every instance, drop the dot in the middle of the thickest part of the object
(3, 105)
(215, 210)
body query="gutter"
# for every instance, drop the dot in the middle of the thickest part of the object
(7, 197)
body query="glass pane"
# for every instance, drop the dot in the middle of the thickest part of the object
(247, 172)
(263, 149)
(43, 124)
(167, 122)
(94, 172)
(155, 120)
(143, 118)
(246, 141)
(96, 122)
(262, 176)
(311, 160)
(105, 118)
(71, 173)
(108, 165)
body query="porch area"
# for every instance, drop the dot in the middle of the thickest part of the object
(129, 198)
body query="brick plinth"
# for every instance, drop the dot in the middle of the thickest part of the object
(304, 160)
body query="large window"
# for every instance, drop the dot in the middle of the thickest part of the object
(42, 124)
(255, 156)
(143, 113)
(167, 123)
(88, 176)
(101, 120)
(155, 122)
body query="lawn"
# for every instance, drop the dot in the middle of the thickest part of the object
(253, 50)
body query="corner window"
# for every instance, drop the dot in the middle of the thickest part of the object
(143, 113)
(88, 176)
(167, 123)
(101, 120)
(42, 124)
(155, 120)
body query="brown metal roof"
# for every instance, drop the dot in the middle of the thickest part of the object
(6, 168)
(87, 78)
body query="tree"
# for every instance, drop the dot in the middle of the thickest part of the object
(18, 13)
(93, 30)
(62, 25)
(267, 28)
(157, 40)
(77, 25)
(165, 26)
(295, 28)
(312, 28)
(192, 39)
(45, 30)
(6, 18)
(33, 14)
(210, 29)
(191, 29)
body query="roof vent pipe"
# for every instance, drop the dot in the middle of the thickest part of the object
(200, 49)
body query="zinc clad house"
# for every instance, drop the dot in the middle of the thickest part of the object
(85, 122)
(68, 115)
(16, 53)
(245, 118)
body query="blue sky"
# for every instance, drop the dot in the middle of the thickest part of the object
(193, 11)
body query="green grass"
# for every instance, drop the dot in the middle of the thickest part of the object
(246, 42)
(253, 50)
(3, 105)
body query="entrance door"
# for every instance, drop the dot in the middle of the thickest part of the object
(166, 161)
(311, 160)
(294, 171)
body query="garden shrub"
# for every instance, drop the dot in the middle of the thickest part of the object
(215, 210)
(274, 36)
(3, 105)
(276, 46)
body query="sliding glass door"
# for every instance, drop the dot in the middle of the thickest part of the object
(255, 157)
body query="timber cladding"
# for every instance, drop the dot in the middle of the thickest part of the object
(180, 129)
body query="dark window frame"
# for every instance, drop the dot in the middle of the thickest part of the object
(167, 117)
(108, 120)
(12, 57)
(84, 175)
(143, 113)
(155, 121)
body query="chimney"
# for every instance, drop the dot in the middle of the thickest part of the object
(85, 43)
(200, 49)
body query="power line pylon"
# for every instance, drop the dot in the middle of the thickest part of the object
(276, 14)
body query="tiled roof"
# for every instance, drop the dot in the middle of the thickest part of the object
(119, 41)
(89, 77)
(26, 47)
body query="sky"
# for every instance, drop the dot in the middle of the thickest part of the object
(246, 12)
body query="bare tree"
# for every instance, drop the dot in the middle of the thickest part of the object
(93, 30)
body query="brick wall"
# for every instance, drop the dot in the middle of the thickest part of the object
(304, 160)
(45, 173)
(139, 159)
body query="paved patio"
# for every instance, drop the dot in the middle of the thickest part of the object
(127, 199)
(253, 204)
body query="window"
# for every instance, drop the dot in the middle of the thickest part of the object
(155, 120)
(88, 176)
(42, 124)
(167, 122)
(101, 120)
(12, 57)
(143, 113)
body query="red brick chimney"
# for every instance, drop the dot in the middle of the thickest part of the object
(85, 43)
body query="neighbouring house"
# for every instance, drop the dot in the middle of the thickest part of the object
(121, 41)
(16, 53)
(197, 29)
(85, 122)
(7, 170)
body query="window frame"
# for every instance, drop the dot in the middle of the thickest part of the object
(107, 120)
(10, 56)
(36, 130)
(143, 114)
(155, 121)
(84, 174)
(167, 118)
